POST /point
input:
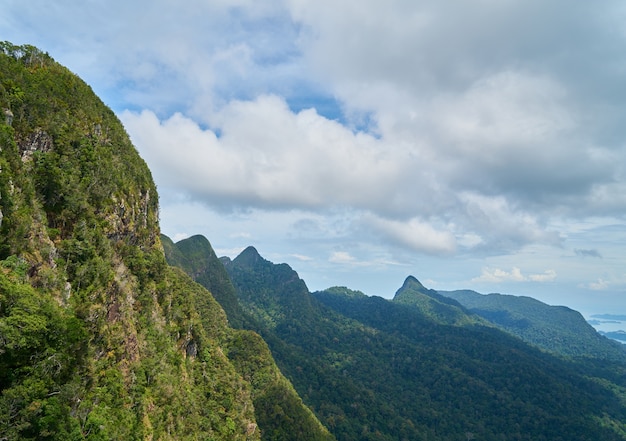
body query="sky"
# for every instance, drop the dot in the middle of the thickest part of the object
(473, 144)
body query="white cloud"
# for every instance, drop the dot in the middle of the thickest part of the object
(497, 275)
(488, 127)
(302, 257)
(547, 276)
(342, 257)
(599, 285)
(414, 234)
(500, 225)
(267, 156)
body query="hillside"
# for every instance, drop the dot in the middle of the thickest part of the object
(430, 303)
(280, 409)
(557, 329)
(374, 369)
(99, 338)
(196, 257)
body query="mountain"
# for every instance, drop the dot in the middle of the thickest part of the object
(375, 369)
(99, 338)
(196, 257)
(557, 329)
(441, 309)
(282, 413)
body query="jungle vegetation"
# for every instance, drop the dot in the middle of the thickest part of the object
(100, 339)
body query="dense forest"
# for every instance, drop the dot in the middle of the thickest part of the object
(418, 367)
(99, 338)
(556, 329)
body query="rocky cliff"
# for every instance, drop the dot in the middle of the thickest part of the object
(99, 337)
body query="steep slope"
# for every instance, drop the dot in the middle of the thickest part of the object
(99, 338)
(273, 292)
(281, 414)
(377, 369)
(556, 329)
(196, 257)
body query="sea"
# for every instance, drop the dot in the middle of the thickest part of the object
(610, 325)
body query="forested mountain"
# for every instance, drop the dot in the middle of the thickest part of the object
(99, 338)
(557, 329)
(376, 369)
(197, 258)
(429, 302)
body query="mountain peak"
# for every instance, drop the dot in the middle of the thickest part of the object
(249, 257)
(412, 281)
(432, 304)
(412, 285)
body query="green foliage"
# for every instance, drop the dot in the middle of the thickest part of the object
(99, 338)
(279, 411)
(281, 414)
(432, 304)
(196, 257)
(376, 369)
(557, 329)
(40, 347)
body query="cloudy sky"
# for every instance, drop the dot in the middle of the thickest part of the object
(473, 144)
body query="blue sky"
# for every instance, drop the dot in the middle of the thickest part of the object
(476, 144)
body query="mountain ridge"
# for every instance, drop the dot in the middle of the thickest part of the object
(437, 307)
(292, 420)
(417, 376)
(557, 329)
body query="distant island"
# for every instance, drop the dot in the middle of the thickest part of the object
(615, 335)
(615, 317)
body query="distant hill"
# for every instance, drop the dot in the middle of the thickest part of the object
(615, 335)
(557, 329)
(375, 369)
(280, 412)
(196, 257)
(432, 304)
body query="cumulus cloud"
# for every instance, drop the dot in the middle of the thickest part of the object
(414, 234)
(267, 156)
(506, 110)
(547, 276)
(421, 127)
(497, 275)
(342, 257)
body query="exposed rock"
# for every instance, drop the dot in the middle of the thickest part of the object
(37, 141)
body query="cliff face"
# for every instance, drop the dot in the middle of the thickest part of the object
(99, 337)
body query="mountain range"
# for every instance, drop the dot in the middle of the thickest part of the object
(422, 365)
(111, 331)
